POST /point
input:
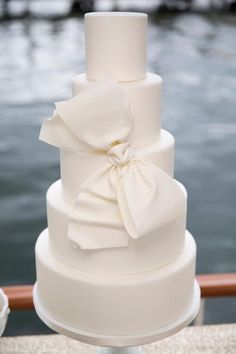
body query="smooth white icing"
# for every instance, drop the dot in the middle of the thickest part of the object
(145, 101)
(163, 246)
(77, 166)
(115, 46)
(115, 305)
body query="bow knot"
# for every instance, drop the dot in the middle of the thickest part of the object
(120, 154)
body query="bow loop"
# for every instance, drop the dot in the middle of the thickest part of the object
(92, 120)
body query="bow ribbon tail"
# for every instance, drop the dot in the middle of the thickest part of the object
(94, 221)
(148, 198)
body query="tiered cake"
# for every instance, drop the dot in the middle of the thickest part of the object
(116, 265)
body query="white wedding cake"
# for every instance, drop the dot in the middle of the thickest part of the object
(116, 265)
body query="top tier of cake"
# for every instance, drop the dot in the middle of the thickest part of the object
(115, 46)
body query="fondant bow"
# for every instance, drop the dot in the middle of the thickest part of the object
(126, 193)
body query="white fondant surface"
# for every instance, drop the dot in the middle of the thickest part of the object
(120, 305)
(145, 101)
(115, 45)
(77, 166)
(144, 254)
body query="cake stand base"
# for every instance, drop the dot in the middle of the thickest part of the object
(119, 341)
(124, 350)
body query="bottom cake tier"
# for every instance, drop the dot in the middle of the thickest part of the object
(118, 310)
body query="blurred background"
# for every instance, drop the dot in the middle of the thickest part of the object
(192, 45)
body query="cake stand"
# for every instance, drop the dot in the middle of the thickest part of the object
(122, 350)
(119, 344)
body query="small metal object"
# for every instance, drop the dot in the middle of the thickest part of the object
(122, 350)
